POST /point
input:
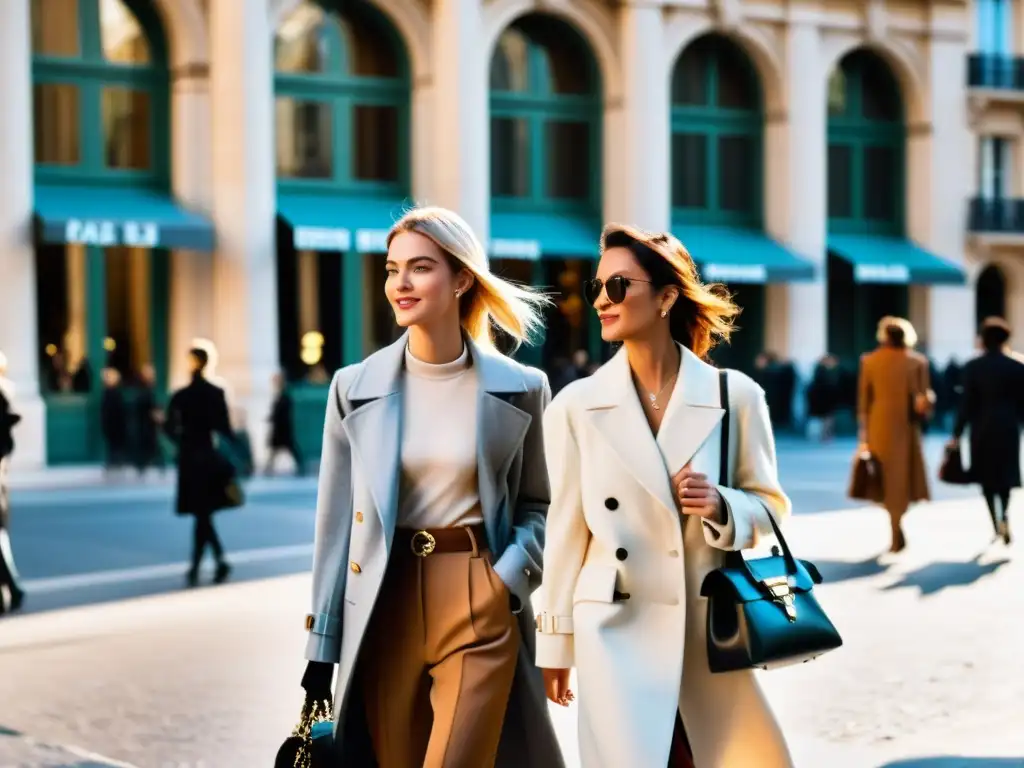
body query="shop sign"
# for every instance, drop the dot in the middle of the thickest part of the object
(881, 273)
(321, 239)
(136, 234)
(528, 250)
(372, 241)
(735, 273)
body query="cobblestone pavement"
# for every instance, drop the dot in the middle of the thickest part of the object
(930, 676)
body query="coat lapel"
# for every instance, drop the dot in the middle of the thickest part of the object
(690, 418)
(501, 429)
(374, 427)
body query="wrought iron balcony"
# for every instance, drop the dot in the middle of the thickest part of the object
(996, 216)
(987, 70)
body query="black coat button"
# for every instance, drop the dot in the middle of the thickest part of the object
(611, 503)
(621, 553)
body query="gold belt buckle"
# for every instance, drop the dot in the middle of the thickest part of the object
(422, 543)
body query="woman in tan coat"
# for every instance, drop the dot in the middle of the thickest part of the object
(894, 395)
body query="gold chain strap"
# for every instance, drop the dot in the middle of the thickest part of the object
(318, 712)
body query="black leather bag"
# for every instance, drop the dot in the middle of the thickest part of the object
(763, 613)
(952, 468)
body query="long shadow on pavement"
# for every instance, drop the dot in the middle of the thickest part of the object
(956, 762)
(833, 571)
(935, 577)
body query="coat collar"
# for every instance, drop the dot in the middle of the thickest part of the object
(374, 427)
(690, 417)
(381, 374)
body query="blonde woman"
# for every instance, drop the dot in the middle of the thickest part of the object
(638, 519)
(894, 396)
(430, 522)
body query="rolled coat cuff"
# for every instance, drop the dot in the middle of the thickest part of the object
(324, 642)
(738, 530)
(513, 568)
(555, 651)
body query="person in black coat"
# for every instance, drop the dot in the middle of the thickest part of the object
(282, 428)
(992, 405)
(114, 420)
(197, 417)
(8, 572)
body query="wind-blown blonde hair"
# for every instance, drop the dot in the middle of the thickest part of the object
(890, 327)
(491, 301)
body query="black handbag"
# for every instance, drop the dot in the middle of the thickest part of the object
(762, 613)
(952, 468)
(309, 746)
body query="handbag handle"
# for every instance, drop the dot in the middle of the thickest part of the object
(734, 557)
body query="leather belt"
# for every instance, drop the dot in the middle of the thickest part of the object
(428, 541)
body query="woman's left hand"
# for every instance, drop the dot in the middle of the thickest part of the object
(695, 495)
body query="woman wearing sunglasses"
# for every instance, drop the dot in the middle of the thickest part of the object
(637, 520)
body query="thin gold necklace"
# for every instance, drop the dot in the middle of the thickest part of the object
(653, 398)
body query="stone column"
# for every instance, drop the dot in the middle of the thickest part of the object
(18, 331)
(460, 107)
(641, 173)
(950, 331)
(191, 299)
(800, 139)
(244, 270)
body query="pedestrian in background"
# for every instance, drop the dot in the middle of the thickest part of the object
(113, 421)
(635, 523)
(8, 419)
(894, 398)
(992, 407)
(148, 418)
(432, 499)
(197, 418)
(282, 427)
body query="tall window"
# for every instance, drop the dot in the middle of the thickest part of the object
(100, 91)
(995, 27)
(717, 134)
(342, 106)
(545, 118)
(994, 167)
(866, 138)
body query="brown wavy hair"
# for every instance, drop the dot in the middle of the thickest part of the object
(705, 314)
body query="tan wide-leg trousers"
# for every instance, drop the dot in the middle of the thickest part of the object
(438, 661)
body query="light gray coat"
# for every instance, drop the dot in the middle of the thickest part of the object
(359, 480)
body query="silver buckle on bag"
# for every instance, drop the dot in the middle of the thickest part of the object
(782, 595)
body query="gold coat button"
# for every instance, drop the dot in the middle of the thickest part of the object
(355, 567)
(359, 517)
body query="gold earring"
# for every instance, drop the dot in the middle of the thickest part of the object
(457, 294)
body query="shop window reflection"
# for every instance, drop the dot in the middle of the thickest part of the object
(129, 313)
(304, 134)
(371, 51)
(509, 69)
(121, 35)
(61, 317)
(55, 28)
(568, 145)
(309, 312)
(127, 128)
(300, 45)
(510, 158)
(56, 124)
(375, 143)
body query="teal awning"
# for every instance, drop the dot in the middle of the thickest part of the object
(879, 259)
(108, 216)
(340, 222)
(741, 255)
(544, 235)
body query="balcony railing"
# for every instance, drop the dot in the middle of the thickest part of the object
(987, 70)
(996, 215)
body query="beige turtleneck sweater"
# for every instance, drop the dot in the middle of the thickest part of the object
(439, 472)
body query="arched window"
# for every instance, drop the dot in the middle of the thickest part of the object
(990, 294)
(342, 107)
(545, 118)
(717, 120)
(866, 136)
(99, 71)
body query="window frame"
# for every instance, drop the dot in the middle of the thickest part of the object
(90, 73)
(851, 129)
(539, 105)
(343, 92)
(715, 122)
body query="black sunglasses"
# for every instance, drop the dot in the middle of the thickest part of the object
(616, 287)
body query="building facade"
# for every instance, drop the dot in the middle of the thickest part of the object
(172, 169)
